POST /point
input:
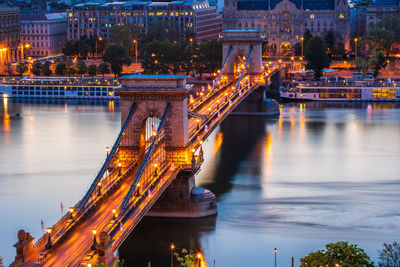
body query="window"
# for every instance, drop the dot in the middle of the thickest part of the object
(312, 16)
(341, 16)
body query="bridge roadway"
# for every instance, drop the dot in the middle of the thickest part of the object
(77, 243)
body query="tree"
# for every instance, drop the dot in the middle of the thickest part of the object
(377, 62)
(306, 37)
(316, 57)
(339, 51)
(392, 258)
(92, 70)
(330, 41)
(208, 56)
(61, 68)
(46, 69)
(187, 258)
(155, 57)
(69, 48)
(36, 68)
(81, 67)
(117, 56)
(21, 68)
(390, 23)
(83, 47)
(341, 253)
(381, 40)
(124, 35)
(1, 262)
(70, 67)
(362, 65)
(103, 68)
(297, 49)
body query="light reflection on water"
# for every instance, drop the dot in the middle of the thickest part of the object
(319, 173)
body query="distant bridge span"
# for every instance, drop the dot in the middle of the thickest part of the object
(150, 168)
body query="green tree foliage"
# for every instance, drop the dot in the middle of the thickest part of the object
(306, 37)
(362, 65)
(187, 258)
(81, 67)
(116, 56)
(339, 51)
(390, 23)
(70, 68)
(21, 68)
(210, 55)
(297, 49)
(103, 68)
(46, 71)
(330, 41)
(60, 69)
(69, 49)
(342, 253)
(377, 62)
(392, 258)
(163, 57)
(381, 40)
(161, 30)
(36, 68)
(124, 35)
(316, 57)
(92, 70)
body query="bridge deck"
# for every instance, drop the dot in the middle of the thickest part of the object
(76, 244)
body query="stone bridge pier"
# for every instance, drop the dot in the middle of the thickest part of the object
(238, 44)
(152, 93)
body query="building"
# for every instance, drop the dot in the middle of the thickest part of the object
(378, 8)
(29, 6)
(10, 34)
(96, 19)
(283, 22)
(44, 33)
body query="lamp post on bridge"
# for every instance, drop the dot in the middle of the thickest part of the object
(119, 168)
(155, 169)
(275, 250)
(387, 258)
(49, 244)
(99, 189)
(172, 247)
(114, 211)
(94, 244)
(108, 150)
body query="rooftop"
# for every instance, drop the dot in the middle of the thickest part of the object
(43, 16)
(271, 4)
(150, 76)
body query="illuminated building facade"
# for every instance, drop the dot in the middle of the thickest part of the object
(10, 34)
(45, 33)
(283, 22)
(96, 19)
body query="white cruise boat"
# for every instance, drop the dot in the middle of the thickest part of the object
(59, 87)
(342, 91)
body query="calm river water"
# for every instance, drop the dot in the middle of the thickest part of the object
(319, 173)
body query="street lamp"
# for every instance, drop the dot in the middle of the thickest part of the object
(114, 211)
(355, 45)
(49, 245)
(302, 48)
(135, 42)
(99, 39)
(107, 150)
(172, 247)
(99, 189)
(94, 244)
(199, 258)
(155, 169)
(387, 258)
(275, 250)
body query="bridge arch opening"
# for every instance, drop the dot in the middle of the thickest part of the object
(239, 65)
(286, 48)
(149, 130)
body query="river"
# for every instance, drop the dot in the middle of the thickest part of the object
(318, 173)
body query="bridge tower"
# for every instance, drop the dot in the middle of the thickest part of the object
(152, 93)
(237, 43)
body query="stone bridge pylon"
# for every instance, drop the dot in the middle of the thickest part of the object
(237, 45)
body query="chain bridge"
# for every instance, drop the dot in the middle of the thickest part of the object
(151, 166)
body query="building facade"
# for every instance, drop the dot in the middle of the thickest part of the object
(283, 22)
(96, 19)
(10, 34)
(377, 9)
(44, 33)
